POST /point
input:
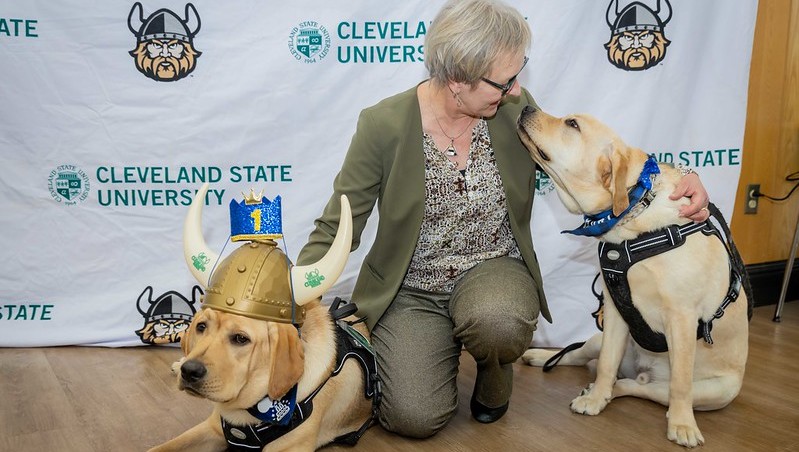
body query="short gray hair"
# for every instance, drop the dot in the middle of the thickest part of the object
(468, 35)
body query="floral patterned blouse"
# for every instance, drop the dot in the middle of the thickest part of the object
(465, 217)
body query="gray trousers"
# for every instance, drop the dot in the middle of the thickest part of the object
(492, 314)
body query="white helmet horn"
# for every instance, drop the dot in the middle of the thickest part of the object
(199, 257)
(311, 281)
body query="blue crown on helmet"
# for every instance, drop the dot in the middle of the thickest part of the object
(255, 218)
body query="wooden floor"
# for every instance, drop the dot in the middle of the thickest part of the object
(100, 399)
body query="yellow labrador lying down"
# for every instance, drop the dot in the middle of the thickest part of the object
(235, 361)
(274, 362)
(677, 330)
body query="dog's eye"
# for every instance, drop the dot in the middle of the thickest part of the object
(239, 339)
(571, 122)
(201, 327)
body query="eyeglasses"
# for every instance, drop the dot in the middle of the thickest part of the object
(506, 87)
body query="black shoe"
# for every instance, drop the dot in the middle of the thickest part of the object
(484, 414)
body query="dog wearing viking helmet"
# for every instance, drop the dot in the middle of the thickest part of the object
(273, 361)
(676, 329)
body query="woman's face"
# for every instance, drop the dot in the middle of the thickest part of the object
(482, 99)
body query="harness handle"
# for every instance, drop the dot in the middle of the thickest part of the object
(338, 312)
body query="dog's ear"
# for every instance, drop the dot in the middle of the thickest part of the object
(287, 359)
(619, 163)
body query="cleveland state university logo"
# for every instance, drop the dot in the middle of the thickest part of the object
(637, 41)
(309, 42)
(68, 184)
(164, 42)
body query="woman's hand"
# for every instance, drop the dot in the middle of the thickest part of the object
(691, 187)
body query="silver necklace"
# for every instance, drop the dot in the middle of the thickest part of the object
(450, 151)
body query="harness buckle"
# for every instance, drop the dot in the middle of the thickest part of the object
(735, 287)
(706, 332)
(675, 235)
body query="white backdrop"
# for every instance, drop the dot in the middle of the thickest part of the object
(100, 160)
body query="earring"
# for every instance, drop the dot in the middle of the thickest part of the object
(455, 96)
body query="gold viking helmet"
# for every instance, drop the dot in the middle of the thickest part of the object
(257, 279)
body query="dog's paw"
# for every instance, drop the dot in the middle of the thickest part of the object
(685, 434)
(589, 402)
(537, 356)
(176, 366)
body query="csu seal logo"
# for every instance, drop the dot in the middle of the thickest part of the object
(309, 42)
(637, 41)
(165, 43)
(68, 184)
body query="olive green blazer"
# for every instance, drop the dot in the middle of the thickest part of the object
(385, 165)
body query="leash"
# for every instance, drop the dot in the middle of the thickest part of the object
(552, 362)
(598, 319)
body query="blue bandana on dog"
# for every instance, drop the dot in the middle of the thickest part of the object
(594, 225)
(276, 411)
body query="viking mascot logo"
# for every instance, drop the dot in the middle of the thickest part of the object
(167, 317)
(165, 43)
(637, 41)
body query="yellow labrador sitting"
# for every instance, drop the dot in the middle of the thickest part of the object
(274, 362)
(678, 303)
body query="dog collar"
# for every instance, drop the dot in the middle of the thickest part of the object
(601, 223)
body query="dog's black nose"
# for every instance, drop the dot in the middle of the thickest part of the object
(530, 109)
(192, 371)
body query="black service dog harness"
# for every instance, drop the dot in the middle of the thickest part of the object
(616, 259)
(350, 344)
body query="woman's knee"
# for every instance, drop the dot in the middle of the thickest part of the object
(496, 306)
(503, 286)
(506, 337)
(415, 421)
